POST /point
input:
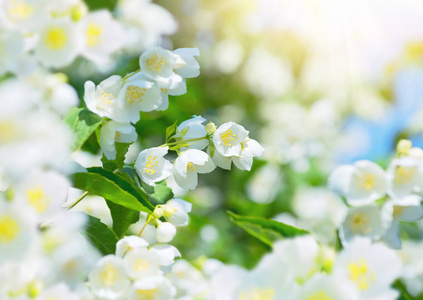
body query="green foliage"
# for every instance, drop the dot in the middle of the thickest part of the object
(118, 162)
(160, 193)
(112, 187)
(170, 130)
(101, 236)
(266, 230)
(83, 123)
(122, 217)
(404, 295)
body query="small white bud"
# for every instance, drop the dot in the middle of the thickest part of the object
(158, 212)
(403, 147)
(165, 232)
(211, 128)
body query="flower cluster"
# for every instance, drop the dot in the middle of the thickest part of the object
(226, 144)
(162, 73)
(380, 199)
(54, 33)
(301, 269)
(142, 264)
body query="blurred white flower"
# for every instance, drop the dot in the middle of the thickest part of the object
(361, 183)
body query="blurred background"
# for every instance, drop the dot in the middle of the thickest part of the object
(317, 82)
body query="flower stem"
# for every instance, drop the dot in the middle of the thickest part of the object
(185, 141)
(150, 217)
(131, 74)
(78, 200)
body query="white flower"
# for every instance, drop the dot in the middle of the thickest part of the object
(114, 132)
(363, 221)
(166, 253)
(165, 232)
(325, 287)
(361, 183)
(102, 36)
(138, 95)
(108, 280)
(249, 149)
(152, 288)
(130, 243)
(58, 291)
(194, 129)
(17, 231)
(408, 209)
(43, 192)
(151, 166)
(59, 43)
(365, 264)
(188, 165)
(188, 67)
(23, 14)
(228, 138)
(12, 48)
(141, 263)
(405, 176)
(176, 211)
(145, 22)
(175, 89)
(157, 64)
(102, 99)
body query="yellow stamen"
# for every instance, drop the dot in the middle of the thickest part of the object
(320, 295)
(257, 294)
(9, 229)
(56, 38)
(155, 62)
(152, 162)
(359, 273)
(108, 275)
(37, 199)
(94, 35)
(227, 137)
(134, 94)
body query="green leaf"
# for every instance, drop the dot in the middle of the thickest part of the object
(184, 132)
(112, 187)
(122, 217)
(118, 162)
(101, 236)
(83, 123)
(170, 130)
(404, 295)
(158, 194)
(266, 230)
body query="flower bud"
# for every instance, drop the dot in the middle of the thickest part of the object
(210, 128)
(158, 211)
(403, 147)
(165, 232)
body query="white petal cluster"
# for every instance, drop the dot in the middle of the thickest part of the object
(380, 199)
(297, 269)
(54, 33)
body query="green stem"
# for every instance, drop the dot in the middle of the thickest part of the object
(78, 200)
(131, 74)
(150, 217)
(185, 141)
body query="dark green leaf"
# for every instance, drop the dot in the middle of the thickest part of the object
(118, 162)
(266, 230)
(170, 130)
(83, 123)
(101, 236)
(112, 187)
(158, 194)
(122, 217)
